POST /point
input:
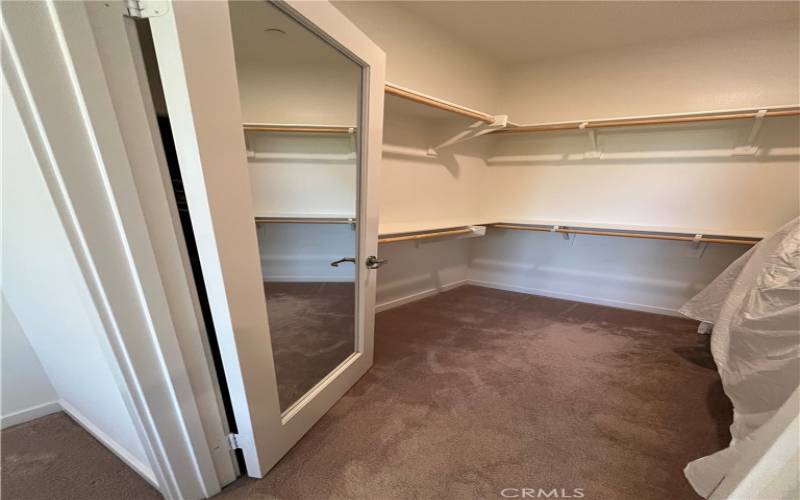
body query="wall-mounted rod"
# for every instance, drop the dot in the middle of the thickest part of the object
(653, 120)
(623, 234)
(298, 129)
(422, 236)
(433, 102)
(304, 220)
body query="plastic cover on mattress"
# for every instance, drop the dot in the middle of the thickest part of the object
(755, 308)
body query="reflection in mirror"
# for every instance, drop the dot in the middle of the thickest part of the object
(300, 102)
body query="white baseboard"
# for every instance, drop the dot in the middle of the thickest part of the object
(134, 463)
(389, 304)
(385, 306)
(579, 298)
(28, 414)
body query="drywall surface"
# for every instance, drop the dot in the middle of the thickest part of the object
(302, 175)
(648, 275)
(741, 69)
(670, 176)
(422, 190)
(26, 390)
(46, 291)
(419, 188)
(287, 74)
(300, 94)
(422, 57)
(418, 269)
(687, 178)
(680, 178)
(304, 252)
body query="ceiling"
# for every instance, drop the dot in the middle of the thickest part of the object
(296, 45)
(519, 32)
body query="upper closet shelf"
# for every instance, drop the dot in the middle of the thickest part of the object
(434, 102)
(437, 108)
(639, 121)
(750, 148)
(395, 228)
(289, 128)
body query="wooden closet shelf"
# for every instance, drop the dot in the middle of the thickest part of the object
(298, 129)
(741, 114)
(433, 102)
(305, 220)
(422, 236)
(631, 234)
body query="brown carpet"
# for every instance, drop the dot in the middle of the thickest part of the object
(476, 390)
(53, 458)
(473, 391)
(313, 330)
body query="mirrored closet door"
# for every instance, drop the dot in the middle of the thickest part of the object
(300, 100)
(276, 109)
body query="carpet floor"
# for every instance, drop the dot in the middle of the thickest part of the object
(477, 390)
(313, 330)
(53, 458)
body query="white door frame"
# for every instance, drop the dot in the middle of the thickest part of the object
(54, 71)
(195, 53)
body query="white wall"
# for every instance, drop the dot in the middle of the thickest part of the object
(415, 188)
(648, 275)
(46, 291)
(418, 269)
(683, 178)
(320, 94)
(303, 252)
(741, 69)
(680, 177)
(420, 56)
(431, 190)
(26, 391)
(302, 175)
(675, 176)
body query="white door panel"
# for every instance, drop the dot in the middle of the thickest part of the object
(195, 50)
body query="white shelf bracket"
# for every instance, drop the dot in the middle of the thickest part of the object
(699, 246)
(351, 133)
(751, 148)
(477, 129)
(594, 153)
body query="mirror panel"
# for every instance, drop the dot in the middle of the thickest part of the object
(300, 101)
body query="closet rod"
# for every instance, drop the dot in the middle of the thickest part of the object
(655, 120)
(298, 129)
(304, 220)
(422, 236)
(437, 103)
(629, 235)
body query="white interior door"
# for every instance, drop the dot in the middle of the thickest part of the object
(200, 54)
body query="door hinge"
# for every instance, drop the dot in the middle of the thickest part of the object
(144, 9)
(233, 441)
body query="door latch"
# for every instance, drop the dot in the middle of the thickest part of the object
(374, 262)
(336, 263)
